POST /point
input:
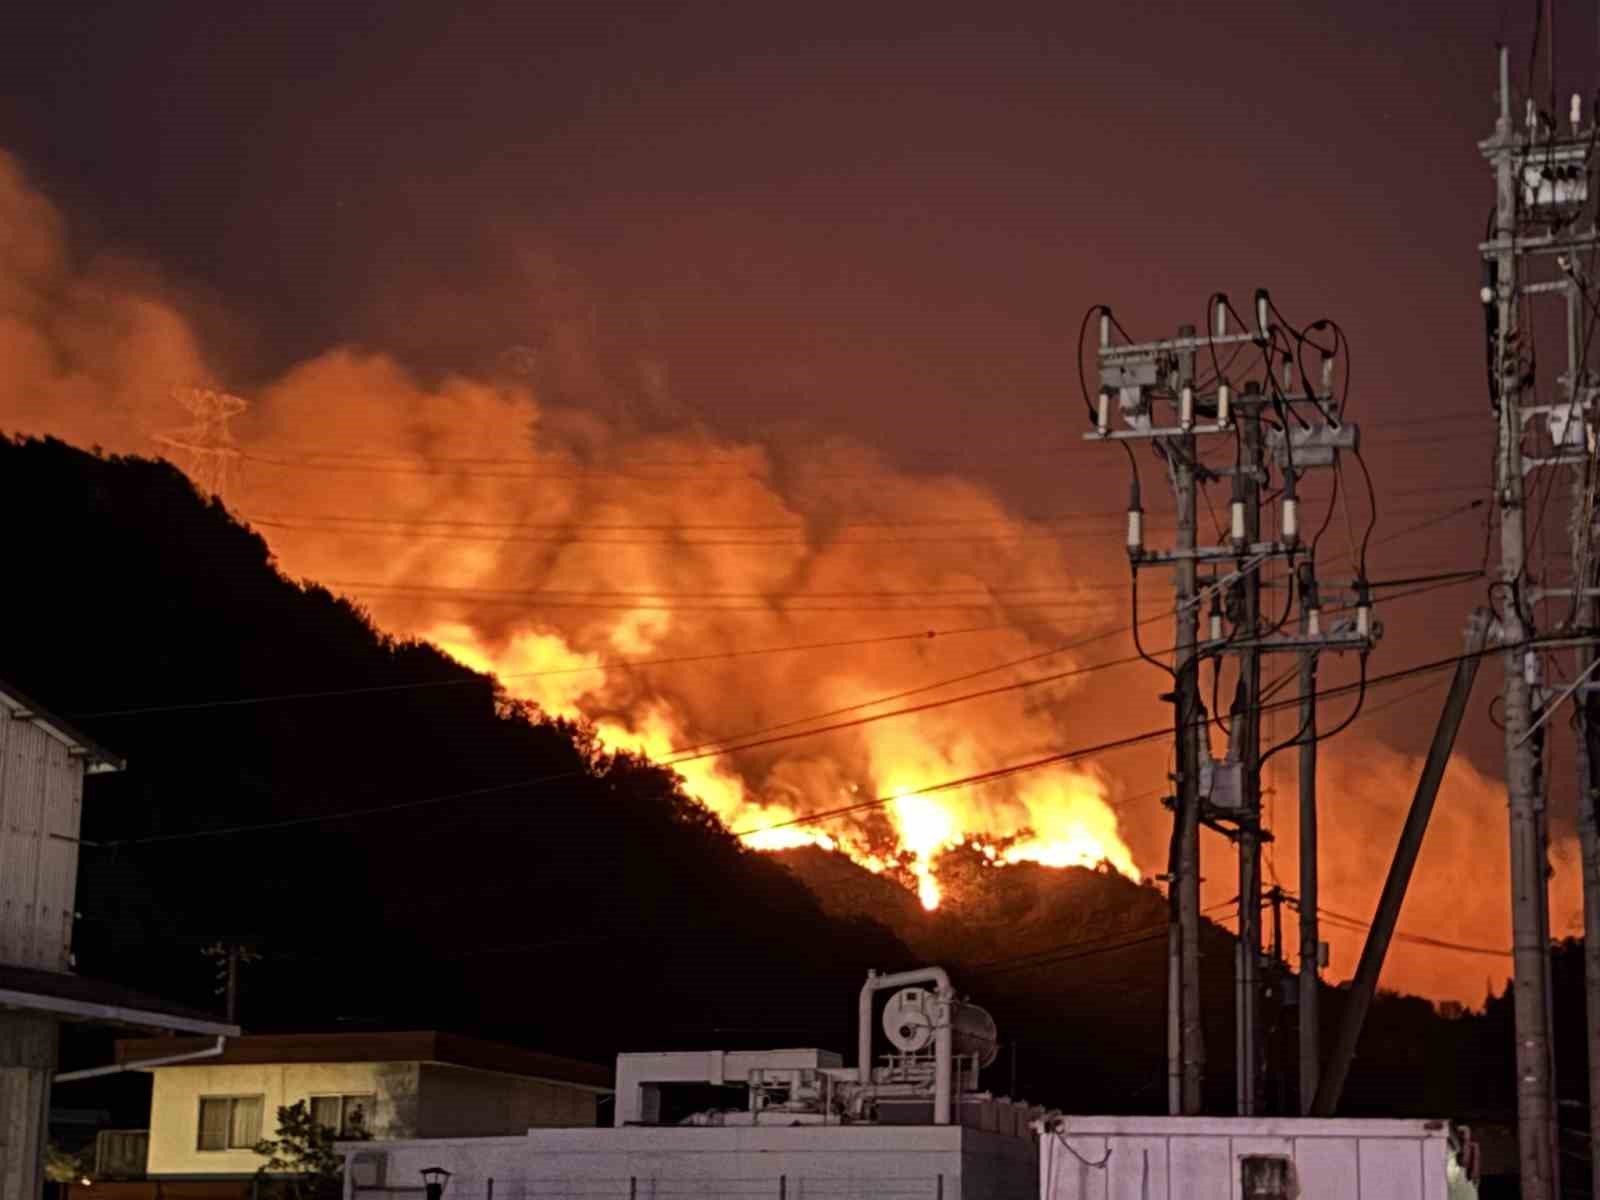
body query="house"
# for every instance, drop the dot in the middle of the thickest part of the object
(207, 1114)
(43, 762)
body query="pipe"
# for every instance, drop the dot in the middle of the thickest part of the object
(1365, 984)
(943, 1036)
(118, 1068)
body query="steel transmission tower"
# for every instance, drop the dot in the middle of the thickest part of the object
(1281, 425)
(1543, 249)
(205, 448)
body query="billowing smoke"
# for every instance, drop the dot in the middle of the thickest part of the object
(572, 549)
(1460, 891)
(683, 591)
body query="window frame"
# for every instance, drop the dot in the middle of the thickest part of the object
(231, 1100)
(369, 1101)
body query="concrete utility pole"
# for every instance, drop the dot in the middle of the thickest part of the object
(1516, 233)
(1248, 1049)
(1187, 730)
(1154, 389)
(1310, 943)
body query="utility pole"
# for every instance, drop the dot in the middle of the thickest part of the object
(1154, 389)
(1528, 221)
(1248, 1049)
(1589, 848)
(1310, 942)
(1187, 730)
(233, 983)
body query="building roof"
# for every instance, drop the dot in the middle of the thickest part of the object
(97, 759)
(418, 1046)
(74, 998)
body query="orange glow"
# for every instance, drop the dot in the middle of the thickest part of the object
(1056, 822)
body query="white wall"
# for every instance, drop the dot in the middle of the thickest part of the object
(856, 1162)
(1199, 1158)
(175, 1106)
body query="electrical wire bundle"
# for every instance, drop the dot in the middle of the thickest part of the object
(1279, 361)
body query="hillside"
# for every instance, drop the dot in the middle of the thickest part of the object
(405, 848)
(503, 876)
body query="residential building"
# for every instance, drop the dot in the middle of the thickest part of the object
(207, 1114)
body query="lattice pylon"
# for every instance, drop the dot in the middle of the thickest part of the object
(205, 449)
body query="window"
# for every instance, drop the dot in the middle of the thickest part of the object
(1267, 1177)
(229, 1122)
(347, 1116)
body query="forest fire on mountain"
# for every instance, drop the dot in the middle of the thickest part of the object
(687, 593)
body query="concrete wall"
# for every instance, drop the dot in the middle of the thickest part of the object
(855, 1162)
(175, 1106)
(460, 1102)
(27, 1062)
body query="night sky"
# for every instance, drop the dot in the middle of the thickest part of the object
(877, 221)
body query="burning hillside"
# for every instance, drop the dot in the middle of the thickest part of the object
(601, 573)
(788, 621)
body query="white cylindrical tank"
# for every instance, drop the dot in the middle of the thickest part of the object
(911, 1017)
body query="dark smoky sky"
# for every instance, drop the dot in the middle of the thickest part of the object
(880, 220)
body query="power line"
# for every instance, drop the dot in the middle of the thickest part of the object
(1123, 743)
(947, 785)
(611, 664)
(1417, 939)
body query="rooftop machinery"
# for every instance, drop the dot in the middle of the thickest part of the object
(939, 1045)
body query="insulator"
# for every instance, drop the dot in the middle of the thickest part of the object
(1576, 112)
(1327, 372)
(1102, 420)
(1135, 531)
(1532, 669)
(1291, 520)
(1288, 375)
(1314, 622)
(1224, 399)
(1222, 317)
(1105, 327)
(1216, 618)
(1186, 408)
(1363, 610)
(1261, 313)
(1238, 522)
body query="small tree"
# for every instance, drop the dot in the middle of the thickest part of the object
(301, 1161)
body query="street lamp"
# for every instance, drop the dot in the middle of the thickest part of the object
(433, 1181)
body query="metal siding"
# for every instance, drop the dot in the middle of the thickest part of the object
(1198, 1158)
(1328, 1168)
(1201, 1168)
(1391, 1170)
(1141, 1173)
(1073, 1169)
(40, 794)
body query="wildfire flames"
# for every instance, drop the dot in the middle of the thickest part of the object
(682, 592)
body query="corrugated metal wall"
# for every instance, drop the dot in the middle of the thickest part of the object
(41, 803)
